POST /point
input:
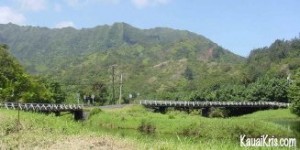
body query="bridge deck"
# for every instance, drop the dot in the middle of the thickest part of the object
(203, 104)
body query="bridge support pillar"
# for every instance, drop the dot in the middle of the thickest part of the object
(205, 111)
(78, 115)
(57, 113)
(162, 110)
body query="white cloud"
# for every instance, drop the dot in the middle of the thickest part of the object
(65, 24)
(140, 3)
(76, 3)
(146, 3)
(8, 15)
(33, 5)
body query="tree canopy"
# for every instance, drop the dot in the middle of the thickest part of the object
(294, 94)
(18, 86)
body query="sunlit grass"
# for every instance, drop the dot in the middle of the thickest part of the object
(182, 129)
(272, 114)
(173, 130)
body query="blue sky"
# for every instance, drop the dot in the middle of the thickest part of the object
(237, 25)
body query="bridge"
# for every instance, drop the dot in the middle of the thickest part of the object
(77, 110)
(236, 108)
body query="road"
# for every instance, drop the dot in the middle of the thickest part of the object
(114, 106)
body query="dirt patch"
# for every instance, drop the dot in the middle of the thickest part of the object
(92, 142)
(161, 65)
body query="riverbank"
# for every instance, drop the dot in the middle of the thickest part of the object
(135, 127)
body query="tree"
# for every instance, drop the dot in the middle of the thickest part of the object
(267, 89)
(59, 96)
(101, 92)
(188, 74)
(13, 80)
(294, 94)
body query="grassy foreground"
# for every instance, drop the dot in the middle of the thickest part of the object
(135, 128)
(40, 131)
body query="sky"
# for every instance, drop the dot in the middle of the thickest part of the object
(237, 25)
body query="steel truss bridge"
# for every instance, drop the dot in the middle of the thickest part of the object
(76, 109)
(235, 108)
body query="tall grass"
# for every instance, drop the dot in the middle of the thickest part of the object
(145, 129)
(181, 129)
(176, 122)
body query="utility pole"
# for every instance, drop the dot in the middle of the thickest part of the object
(113, 83)
(78, 97)
(121, 84)
(289, 78)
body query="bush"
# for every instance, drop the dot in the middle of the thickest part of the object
(146, 126)
(190, 130)
(171, 116)
(172, 113)
(218, 113)
(195, 112)
(294, 94)
(137, 109)
(95, 111)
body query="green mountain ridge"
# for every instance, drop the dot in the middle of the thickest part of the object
(85, 56)
(158, 63)
(29, 42)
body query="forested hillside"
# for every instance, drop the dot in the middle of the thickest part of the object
(44, 49)
(154, 63)
(266, 75)
(279, 59)
(16, 85)
(158, 63)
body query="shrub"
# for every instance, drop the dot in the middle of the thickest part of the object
(146, 126)
(195, 112)
(95, 111)
(218, 112)
(190, 130)
(294, 94)
(171, 116)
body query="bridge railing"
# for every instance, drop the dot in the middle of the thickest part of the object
(41, 106)
(168, 103)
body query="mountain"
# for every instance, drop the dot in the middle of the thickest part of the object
(153, 62)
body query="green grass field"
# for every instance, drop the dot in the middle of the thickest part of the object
(136, 128)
